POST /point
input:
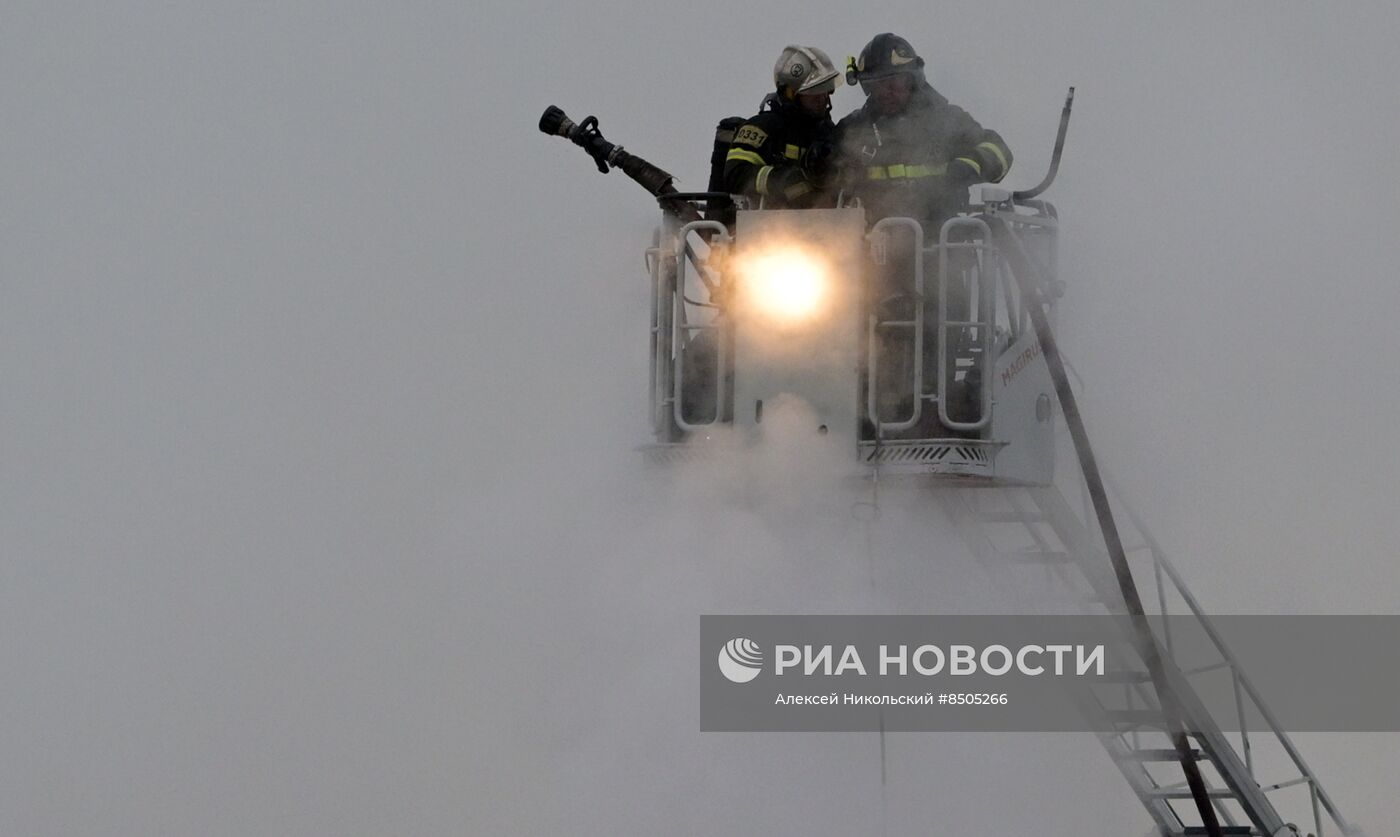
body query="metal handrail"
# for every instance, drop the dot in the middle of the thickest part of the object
(654, 383)
(986, 300)
(681, 330)
(872, 353)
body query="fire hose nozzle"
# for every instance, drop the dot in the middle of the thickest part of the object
(555, 123)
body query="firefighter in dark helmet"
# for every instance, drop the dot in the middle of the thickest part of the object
(783, 155)
(908, 151)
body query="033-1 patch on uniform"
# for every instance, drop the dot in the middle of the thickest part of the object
(751, 135)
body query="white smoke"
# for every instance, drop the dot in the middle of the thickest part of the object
(323, 372)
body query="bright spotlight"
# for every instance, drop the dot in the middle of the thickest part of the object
(785, 282)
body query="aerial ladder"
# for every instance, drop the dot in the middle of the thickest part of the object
(1255, 783)
(960, 382)
(1163, 739)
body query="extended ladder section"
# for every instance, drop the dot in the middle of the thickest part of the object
(1251, 779)
(1162, 723)
(1038, 528)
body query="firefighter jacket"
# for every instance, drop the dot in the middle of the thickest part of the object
(769, 155)
(918, 163)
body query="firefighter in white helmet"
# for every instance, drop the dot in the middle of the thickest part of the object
(781, 156)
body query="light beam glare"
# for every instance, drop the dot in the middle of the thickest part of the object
(785, 282)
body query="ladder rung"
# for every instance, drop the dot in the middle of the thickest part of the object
(1185, 793)
(1039, 557)
(1205, 669)
(1137, 717)
(1161, 755)
(1011, 517)
(1125, 676)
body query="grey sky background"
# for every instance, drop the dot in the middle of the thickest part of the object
(322, 371)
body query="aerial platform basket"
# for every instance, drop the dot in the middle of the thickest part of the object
(911, 348)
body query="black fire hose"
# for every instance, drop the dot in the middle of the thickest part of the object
(1029, 277)
(608, 156)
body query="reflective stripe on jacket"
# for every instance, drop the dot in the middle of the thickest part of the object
(898, 165)
(765, 159)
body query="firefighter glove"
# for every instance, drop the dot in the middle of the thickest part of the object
(963, 172)
(817, 162)
(791, 184)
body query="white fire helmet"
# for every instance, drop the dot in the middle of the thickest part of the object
(802, 69)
